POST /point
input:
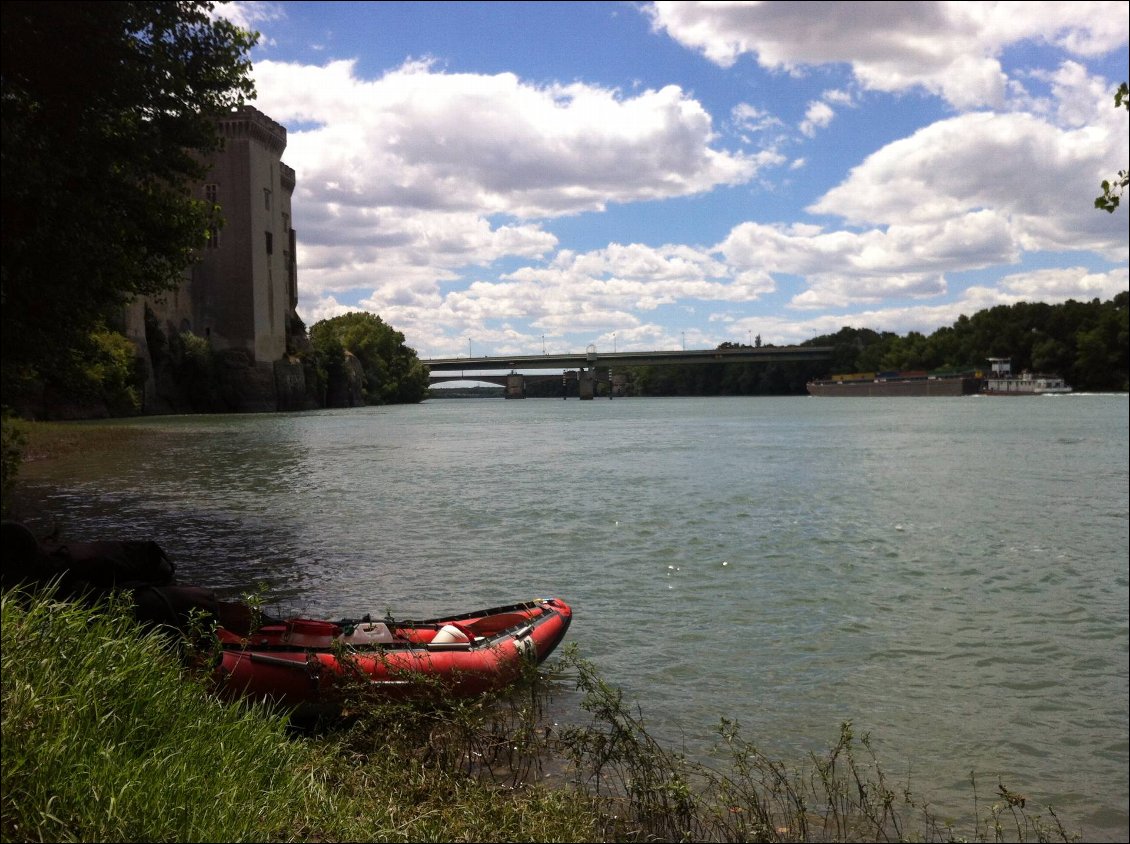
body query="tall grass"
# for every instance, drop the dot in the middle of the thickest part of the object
(108, 736)
(104, 740)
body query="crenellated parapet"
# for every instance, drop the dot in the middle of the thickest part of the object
(249, 122)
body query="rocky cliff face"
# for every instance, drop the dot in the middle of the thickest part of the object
(184, 375)
(296, 384)
(346, 390)
(245, 385)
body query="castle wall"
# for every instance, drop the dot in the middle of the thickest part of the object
(241, 293)
(244, 285)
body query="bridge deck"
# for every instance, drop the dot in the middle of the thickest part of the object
(604, 359)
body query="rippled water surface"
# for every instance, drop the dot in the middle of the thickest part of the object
(948, 574)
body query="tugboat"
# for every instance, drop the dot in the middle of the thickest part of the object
(1001, 382)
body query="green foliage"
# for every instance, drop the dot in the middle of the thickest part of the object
(1111, 196)
(185, 369)
(102, 376)
(393, 372)
(117, 370)
(108, 110)
(725, 379)
(329, 364)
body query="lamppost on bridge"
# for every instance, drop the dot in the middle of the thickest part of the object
(613, 342)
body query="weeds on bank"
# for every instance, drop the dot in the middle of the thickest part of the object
(651, 793)
(104, 739)
(612, 781)
(492, 736)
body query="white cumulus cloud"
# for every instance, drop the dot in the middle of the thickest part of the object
(948, 48)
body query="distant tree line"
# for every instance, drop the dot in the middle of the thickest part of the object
(1085, 342)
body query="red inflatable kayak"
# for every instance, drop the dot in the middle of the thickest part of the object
(308, 661)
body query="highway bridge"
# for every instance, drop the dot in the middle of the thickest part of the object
(583, 366)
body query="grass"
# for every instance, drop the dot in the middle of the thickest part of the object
(108, 736)
(103, 740)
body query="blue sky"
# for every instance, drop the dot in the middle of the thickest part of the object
(514, 177)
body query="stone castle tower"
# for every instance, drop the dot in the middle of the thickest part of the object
(241, 296)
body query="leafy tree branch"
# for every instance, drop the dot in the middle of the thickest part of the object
(1112, 190)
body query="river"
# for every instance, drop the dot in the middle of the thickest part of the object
(951, 575)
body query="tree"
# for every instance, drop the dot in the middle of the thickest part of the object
(1112, 191)
(108, 112)
(393, 372)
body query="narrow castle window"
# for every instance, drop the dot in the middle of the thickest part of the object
(267, 199)
(270, 243)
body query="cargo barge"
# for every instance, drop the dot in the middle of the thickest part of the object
(871, 384)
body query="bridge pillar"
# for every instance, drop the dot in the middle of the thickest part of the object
(602, 375)
(515, 386)
(586, 383)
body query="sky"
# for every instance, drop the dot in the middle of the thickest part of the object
(505, 178)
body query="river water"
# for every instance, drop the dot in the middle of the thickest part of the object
(948, 574)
